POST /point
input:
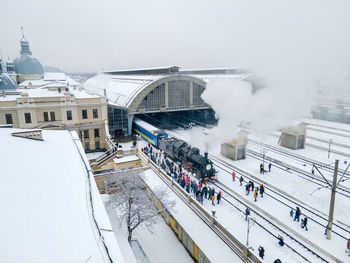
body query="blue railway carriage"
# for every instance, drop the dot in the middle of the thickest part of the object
(148, 132)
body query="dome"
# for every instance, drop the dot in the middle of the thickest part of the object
(7, 83)
(25, 64)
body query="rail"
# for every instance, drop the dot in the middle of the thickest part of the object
(288, 198)
(236, 246)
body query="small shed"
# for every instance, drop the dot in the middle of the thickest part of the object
(237, 148)
(294, 137)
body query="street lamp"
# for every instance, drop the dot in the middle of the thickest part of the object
(248, 228)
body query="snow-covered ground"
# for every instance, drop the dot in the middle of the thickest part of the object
(152, 243)
(290, 184)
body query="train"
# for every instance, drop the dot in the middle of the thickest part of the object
(177, 149)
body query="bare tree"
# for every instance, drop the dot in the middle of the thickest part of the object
(136, 204)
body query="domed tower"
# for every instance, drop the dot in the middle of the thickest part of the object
(25, 66)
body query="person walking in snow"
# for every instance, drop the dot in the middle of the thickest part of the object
(262, 190)
(291, 213)
(348, 247)
(240, 180)
(218, 197)
(261, 252)
(280, 241)
(205, 190)
(252, 186)
(209, 193)
(270, 167)
(304, 223)
(277, 261)
(247, 188)
(255, 195)
(233, 176)
(213, 199)
(261, 168)
(297, 214)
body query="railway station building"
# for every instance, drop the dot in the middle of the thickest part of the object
(154, 90)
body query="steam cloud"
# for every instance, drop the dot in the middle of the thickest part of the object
(291, 45)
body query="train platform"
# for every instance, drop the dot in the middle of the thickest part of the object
(212, 245)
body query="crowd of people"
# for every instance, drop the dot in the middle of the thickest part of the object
(184, 176)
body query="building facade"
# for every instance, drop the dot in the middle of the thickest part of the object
(58, 109)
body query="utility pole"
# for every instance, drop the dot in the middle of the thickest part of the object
(331, 208)
(264, 151)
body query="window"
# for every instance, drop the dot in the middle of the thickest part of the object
(86, 133)
(52, 115)
(69, 115)
(8, 118)
(97, 145)
(95, 113)
(84, 114)
(27, 117)
(46, 116)
(97, 133)
(87, 146)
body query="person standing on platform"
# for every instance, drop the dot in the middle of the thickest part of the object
(218, 197)
(233, 176)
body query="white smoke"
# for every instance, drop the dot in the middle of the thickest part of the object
(291, 46)
(268, 109)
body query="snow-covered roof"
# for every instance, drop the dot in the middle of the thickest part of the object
(44, 93)
(126, 159)
(50, 78)
(46, 212)
(120, 89)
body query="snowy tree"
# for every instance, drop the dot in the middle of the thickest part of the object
(135, 203)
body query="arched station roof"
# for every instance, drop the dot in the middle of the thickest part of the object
(128, 89)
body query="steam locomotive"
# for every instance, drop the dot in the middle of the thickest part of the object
(177, 149)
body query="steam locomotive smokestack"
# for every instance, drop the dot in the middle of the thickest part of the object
(206, 155)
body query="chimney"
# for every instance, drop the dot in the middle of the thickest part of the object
(105, 92)
(206, 155)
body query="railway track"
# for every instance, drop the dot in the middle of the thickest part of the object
(328, 127)
(305, 209)
(288, 200)
(327, 141)
(276, 191)
(272, 223)
(320, 165)
(323, 148)
(318, 180)
(334, 133)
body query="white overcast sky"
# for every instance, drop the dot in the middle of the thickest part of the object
(78, 35)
